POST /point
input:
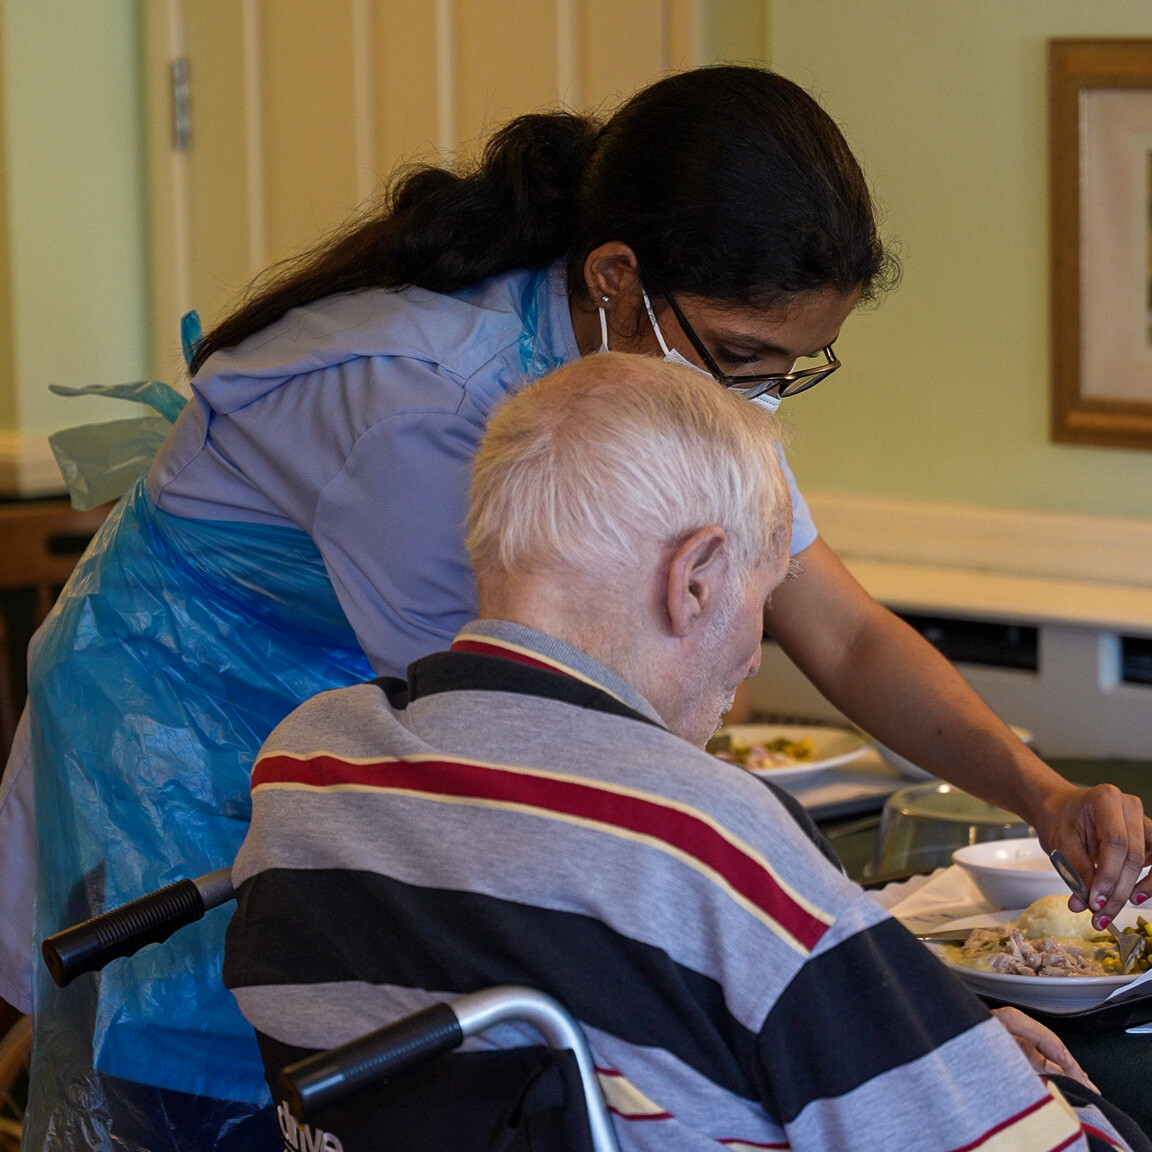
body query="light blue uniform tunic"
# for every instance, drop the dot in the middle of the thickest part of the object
(356, 419)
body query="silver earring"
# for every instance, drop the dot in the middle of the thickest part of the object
(605, 299)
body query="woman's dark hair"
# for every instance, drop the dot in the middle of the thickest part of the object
(729, 183)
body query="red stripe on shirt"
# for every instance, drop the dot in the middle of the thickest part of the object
(751, 1143)
(1007, 1124)
(1093, 1131)
(683, 831)
(483, 649)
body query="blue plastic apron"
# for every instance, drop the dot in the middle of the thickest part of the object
(175, 649)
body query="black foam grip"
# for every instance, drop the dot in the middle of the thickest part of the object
(153, 918)
(330, 1076)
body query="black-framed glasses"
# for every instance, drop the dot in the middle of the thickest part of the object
(785, 383)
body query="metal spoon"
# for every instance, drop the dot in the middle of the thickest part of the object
(1129, 944)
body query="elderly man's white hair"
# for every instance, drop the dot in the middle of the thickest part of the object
(601, 463)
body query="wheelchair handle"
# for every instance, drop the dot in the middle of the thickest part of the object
(328, 1077)
(310, 1084)
(123, 931)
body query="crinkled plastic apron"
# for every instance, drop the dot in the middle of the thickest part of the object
(176, 647)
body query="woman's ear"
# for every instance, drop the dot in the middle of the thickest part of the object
(612, 270)
(696, 576)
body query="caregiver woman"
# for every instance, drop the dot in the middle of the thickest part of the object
(319, 481)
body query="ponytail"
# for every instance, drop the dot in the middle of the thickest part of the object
(729, 183)
(438, 229)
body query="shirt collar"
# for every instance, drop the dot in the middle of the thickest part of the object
(557, 314)
(530, 646)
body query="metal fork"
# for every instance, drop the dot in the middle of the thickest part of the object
(1129, 944)
(944, 936)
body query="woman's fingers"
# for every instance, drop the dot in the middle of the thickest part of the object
(1122, 841)
(1107, 839)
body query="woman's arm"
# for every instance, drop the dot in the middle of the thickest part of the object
(885, 677)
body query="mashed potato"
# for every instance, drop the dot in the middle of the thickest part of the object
(1050, 916)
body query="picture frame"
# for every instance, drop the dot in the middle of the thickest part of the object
(1100, 94)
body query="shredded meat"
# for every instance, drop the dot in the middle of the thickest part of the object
(1007, 951)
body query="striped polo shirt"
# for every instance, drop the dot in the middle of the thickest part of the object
(514, 813)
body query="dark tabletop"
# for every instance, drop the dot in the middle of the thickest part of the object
(1119, 1063)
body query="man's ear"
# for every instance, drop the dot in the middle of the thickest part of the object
(696, 576)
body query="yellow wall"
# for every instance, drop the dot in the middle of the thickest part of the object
(944, 390)
(734, 30)
(74, 289)
(73, 231)
(944, 393)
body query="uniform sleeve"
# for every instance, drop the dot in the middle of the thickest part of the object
(391, 525)
(803, 528)
(874, 1044)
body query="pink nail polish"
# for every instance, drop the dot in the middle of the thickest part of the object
(1099, 901)
(1139, 898)
(1105, 921)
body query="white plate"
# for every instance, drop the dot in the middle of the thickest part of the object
(831, 746)
(1059, 995)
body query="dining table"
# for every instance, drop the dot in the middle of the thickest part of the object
(1116, 1058)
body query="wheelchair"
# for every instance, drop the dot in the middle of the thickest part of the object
(328, 1079)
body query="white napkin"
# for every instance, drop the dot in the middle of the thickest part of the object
(926, 903)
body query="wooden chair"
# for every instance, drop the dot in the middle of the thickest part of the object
(15, 1052)
(40, 543)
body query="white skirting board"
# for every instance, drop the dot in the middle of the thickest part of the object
(1018, 542)
(1084, 581)
(1073, 704)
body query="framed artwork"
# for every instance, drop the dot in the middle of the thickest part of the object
(1101, 173)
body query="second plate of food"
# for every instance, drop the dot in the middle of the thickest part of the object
(786, 751)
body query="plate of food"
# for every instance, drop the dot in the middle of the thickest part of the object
(785, 751)
(1046, 957)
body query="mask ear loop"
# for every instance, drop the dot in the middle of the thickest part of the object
(656, 327)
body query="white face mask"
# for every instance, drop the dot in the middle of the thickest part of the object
(766, 401)
(771, 403)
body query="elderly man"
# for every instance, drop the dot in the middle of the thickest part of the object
(534, 807)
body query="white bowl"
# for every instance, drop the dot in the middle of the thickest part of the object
(910, 771)
(1011, 873)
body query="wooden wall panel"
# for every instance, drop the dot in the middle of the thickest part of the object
(309, 116)
(219, 219)
(622, 49)
(300, 111)
(505, 63)
(406, 84)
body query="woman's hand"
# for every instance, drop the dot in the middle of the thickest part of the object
(1043, 1048)
(1107, 839)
